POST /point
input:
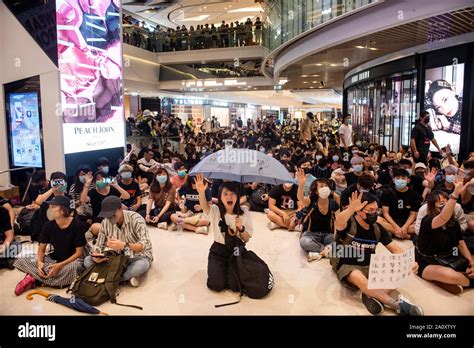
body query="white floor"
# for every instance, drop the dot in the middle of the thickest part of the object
(176, 284)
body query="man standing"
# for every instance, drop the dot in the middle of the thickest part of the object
(307, 128)
(346, 137)
(421, 138)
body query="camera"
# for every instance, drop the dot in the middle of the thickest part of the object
(58, 182)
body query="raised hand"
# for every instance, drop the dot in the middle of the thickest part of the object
(301, 177)
(431, 175)
(201, 185)
(89, 178)
(355, 202)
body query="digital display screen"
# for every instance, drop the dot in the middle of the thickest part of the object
(90, 65)
(443, 100)
(25, 130)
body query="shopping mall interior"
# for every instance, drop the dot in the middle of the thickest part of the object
(113, 115)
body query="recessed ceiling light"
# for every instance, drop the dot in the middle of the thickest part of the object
(315, 75)
(373, 49)
(304, 75)
(361, 47)
(305, 82)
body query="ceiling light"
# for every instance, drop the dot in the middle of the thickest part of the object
(247, 9)
(304, 75)
(361, 47)
(315, 75)
(195, 19)
(305, 82)
(373, 49)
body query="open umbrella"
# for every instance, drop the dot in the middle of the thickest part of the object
(243, 165)
(74, 303)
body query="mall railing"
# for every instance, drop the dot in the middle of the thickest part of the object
(170, 41)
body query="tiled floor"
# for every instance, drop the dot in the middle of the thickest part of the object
(176, 284)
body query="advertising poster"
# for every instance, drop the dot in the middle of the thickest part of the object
(90, 64)
(25, 131)
(443, 100)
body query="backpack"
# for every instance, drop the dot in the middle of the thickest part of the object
(99, 283)
(24, 221)
(252, 273)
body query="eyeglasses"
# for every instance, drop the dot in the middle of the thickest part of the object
(377, 211)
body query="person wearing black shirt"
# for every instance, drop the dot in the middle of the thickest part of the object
(283, 204)
(447, 185)
(421, 138)
(365, 183)
(66, 234)
(317, 229)
(400, 205)
(129, 184)
(357, 235)
(9, 249)
(357, 164)
(440, 238)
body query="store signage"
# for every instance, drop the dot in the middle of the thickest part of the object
(361, 76)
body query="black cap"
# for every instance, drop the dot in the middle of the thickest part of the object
(60, 200)
(84, 168)
(103, 160)
(109, 206)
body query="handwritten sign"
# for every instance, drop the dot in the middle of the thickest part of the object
(389, 271)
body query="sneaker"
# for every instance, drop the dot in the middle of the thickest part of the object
(266, 210)
(373, 305)
(26, 284)
(313, 256)
(454, 289)
(202, 230)
(134, 282)
(173, 227)
(272, 225)
(163, 225)
(407, 308)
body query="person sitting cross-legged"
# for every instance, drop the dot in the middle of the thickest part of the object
(358, 233)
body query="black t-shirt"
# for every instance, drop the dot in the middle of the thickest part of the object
(362, 246)
(439, 241)
(416, 183)
(64, 241)
(423, 136)
(401, 204)
(286, 200)
(317, 222)
(192, 197)
(96, 199)
(5, 224)
(133, 190)
(441, 186)
(351, 178)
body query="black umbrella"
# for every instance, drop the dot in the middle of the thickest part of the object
(74, 303)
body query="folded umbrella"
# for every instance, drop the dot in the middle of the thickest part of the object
(74, 303)
(243, 165)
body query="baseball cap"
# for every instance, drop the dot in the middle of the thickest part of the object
(420, 165)
(60, 200)
(109, 206)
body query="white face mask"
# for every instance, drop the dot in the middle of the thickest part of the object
(51, 214)
(324, 192)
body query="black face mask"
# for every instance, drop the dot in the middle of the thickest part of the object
(306, 170)
(426, 120)
(371, 218)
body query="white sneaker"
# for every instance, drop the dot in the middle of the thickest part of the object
(134, 282)
(163, 225)
(266, 210)
(173, 227)
(271, 225)
(312, 256)
(202, 230)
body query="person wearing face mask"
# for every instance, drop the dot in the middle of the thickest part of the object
(317, 225)
(283, 205)
(447, 185)
(400, 206)
(365, 183)
(447, 158)
(39, 185)
(231, 226)
(147, 166)
(162, 194)
(126, 232)
(103, 188)
(307, 128)
(440, 248)
(130, 185)
(103, 165)
(66, 235)
(306, 166)
(321, 169)
(357, 235)
(181, 177)
(421, 138)
(335, 160)
(346, 136)
(357, 164)
(83, 210)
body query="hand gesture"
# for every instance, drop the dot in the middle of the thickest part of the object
(301, 177)
(89, 178)
(40, 270)
(431, 175)
(201, 185)
(54, 270)
(155, 220)
(238, 223)
(147, 219)
(355, 202)
(459, 186)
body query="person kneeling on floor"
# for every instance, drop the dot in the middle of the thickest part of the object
(358, 233)
(227, 212)
(66, 234)
(123, 231)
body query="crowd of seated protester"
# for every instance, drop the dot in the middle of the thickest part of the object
(339, 197)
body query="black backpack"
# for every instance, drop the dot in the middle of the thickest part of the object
(25, 221)
(99, 283)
